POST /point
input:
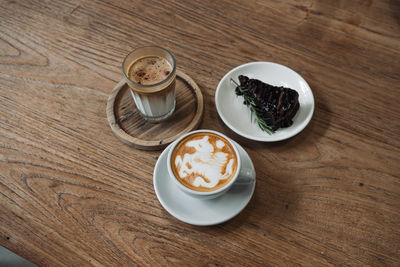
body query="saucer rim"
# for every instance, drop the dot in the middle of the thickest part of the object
(188, 220)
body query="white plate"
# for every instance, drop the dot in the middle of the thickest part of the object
(202, 212)
(237, 116)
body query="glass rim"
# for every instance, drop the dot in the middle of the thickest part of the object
(154, 84)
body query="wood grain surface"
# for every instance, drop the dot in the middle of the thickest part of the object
(72, 194)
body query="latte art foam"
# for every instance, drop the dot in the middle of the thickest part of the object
(204, 162)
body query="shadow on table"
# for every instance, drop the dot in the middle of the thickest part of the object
(395, 7)
(316, 128)
(276, 194)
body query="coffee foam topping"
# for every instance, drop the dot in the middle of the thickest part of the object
(207, 166)
(149, 70)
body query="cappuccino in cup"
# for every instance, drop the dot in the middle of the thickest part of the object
(204, 161)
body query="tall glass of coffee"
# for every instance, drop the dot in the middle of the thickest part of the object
(150, 73)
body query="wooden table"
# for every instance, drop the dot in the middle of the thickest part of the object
(72, 194)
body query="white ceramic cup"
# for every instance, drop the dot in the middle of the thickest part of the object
(241, 176)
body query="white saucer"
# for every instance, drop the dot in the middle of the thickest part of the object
(202, 212)
(237, 116)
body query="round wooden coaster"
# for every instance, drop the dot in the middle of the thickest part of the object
(127, 124)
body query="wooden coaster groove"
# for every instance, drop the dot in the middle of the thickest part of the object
(127, 124)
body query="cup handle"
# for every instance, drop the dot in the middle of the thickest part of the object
(246, 176)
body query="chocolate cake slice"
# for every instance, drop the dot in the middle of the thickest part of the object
(274, 105)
